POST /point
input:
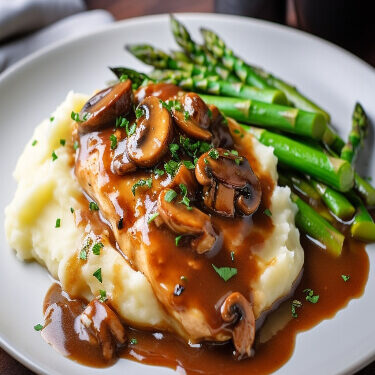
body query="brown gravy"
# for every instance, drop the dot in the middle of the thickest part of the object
(322, 273)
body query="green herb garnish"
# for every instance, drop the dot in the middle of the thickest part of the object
(54, 156)
(186, 115)
(98, 274)
(76, 145)
(142, 182)
(133, 341)
(174, 147)
(62, 142)
(38, 327)
(171, 167)
(93, 206)
(139, 112)
(310, 296)
(295, 305)
(96, 248)
(72, 210)
(113, 140)
(152, 217)
(170, 195)
(267, 212)
(103, 295)
(51, 119)
(214, 154)
(34, 142)
(225, 272)
(345, 277)
(177, 240)
(158, 172)
(188, 164)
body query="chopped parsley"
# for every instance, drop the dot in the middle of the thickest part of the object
(131, 130)
(54, 156)
(38, 327)
(76, 145)
(152, 217)
(93, 206)
(62, 142)
(171, 167)
(225, 273)
(139, 112)
(188, 164)
(103, 295)
(34, 142)
(174, 147)
(51, 119)
(86, 247)
(295, 305)
(158, 172)
(310, 296)
(113, 140)
(232, 255)
(185, 200)
(177, 240)
(83, 254)
(171, 104)
(98, 274)
(133, 341)
(72, 210)
(194, 148)
(186, 115)
(75, 116)
(214, 154)
(58, 223)
(170, 195)
(267, 212)
(345, 277)
(234, 152)
(142, 182)
(96, 248)
(121, 122)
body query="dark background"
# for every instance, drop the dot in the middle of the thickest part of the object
(348, 23)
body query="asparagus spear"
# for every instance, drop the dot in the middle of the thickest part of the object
(212, 85)
(334, 172)
(310, 222)
(356, 135)
(274, 116)
(180, 56)
(160, 60)
(196, 52)
(336, 202)
(257, 76)
(365, 190)
(363, 226)
(245, 72)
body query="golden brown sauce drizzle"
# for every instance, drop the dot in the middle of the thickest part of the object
(202, 286)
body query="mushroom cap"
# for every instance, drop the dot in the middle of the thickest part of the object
(154, 129)
(184, 221)
(238, 310)
(228, 180)
(194, 119)
(103, 108)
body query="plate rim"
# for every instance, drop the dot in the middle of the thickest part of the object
(9, 72)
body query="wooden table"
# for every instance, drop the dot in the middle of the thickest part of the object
(126, 9)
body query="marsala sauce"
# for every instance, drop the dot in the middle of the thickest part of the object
(322, 273)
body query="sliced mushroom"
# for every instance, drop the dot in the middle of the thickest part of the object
(229, 183)
(237, 310)
(103, 108)
(106, 326)
(191, 222)
(121, 163)
(193, 118)
(221, 136)
(184, 176)
(154, 129)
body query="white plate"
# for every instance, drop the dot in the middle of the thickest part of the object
(32, 89)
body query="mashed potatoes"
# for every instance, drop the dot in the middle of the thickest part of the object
(47, 190)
